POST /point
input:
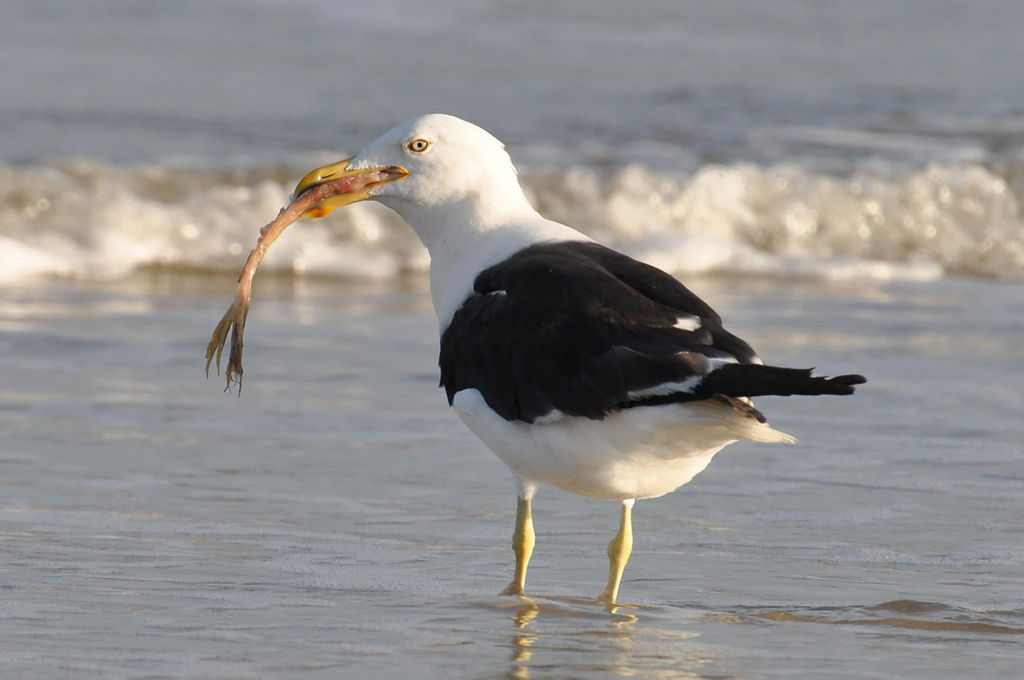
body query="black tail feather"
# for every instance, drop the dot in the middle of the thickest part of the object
(755, 380)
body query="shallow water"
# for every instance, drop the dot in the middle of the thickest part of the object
(337, 521)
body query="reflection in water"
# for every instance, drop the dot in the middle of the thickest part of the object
(623, 620)
(551, 630)
(522, 641)
(528, 633)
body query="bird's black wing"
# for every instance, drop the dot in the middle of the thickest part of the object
(580, 329)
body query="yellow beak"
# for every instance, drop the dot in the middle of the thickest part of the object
(357, 184)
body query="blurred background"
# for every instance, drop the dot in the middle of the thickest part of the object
(866, 139)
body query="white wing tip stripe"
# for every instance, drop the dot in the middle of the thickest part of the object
(687, 323)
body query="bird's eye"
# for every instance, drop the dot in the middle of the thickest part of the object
(418, 145)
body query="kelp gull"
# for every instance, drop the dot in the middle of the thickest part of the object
(578, 366)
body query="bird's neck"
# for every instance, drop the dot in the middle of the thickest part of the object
(452, 223)
(467, 236)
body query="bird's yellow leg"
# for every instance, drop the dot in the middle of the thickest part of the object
(523, 540)
(619, 551)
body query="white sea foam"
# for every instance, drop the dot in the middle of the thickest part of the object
(959, 219)
(95, 221)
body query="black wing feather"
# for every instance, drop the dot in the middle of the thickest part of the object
(579, 328)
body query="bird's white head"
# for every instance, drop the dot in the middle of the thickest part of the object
(450, 171)
(454, 184)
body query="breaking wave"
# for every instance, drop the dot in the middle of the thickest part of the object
(88, 220)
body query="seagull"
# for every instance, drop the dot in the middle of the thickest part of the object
(578, 366)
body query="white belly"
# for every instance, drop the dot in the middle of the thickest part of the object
(642, 452)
